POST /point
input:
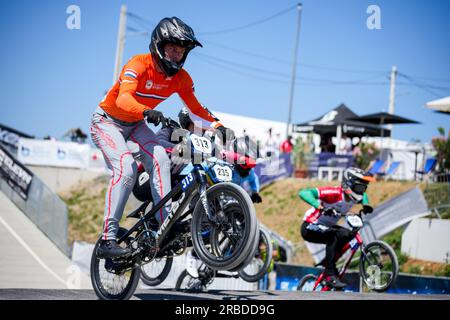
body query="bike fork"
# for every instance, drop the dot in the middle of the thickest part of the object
(202, 192)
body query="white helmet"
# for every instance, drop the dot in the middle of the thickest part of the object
(354, 183)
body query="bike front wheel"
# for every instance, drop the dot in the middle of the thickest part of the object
(378, 266)
(307, 283)
(230, 240)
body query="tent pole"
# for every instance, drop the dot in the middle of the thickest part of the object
(338, 139)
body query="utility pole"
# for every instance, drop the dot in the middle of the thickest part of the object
(391, 108)
(294, 68)
(120, 42)
(392, 93)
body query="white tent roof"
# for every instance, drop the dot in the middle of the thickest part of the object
(256, 128)
(442, 105)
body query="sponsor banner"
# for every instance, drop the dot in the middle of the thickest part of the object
(330, 159)
(274, 168)
(11, 137)
(54, 153)
(17, 175)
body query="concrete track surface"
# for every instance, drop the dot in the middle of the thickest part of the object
(28, 259)
(169, 294)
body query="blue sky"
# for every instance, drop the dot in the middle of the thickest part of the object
(52, 77)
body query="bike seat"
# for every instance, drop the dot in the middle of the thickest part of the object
(321, 263)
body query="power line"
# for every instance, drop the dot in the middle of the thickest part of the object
(427, 88)
(302, 81)
(138, 19)
(431, 78)
(247, 53)
(286, 76)
(148, 24)
(240, 72)
(249, 24)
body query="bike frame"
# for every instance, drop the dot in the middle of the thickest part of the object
(354, 245)
(194, 182)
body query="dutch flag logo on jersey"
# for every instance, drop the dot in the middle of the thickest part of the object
(130, 73)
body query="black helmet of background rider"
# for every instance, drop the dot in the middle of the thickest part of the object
(355, 182)
(171, 30)
(184, 117)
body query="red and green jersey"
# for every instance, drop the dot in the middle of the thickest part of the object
(328, 197)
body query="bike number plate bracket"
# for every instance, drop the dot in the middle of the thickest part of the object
(186, 182)
(201, 144)
(223, 173)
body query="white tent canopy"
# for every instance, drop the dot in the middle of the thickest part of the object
(442, 105)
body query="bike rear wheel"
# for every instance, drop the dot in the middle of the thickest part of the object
(156, 271)
(186, 282)
(307, 283)
(262, 259)
(113, 279)
(378, 266)
(229, 242)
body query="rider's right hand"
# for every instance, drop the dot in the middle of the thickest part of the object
(153, 116)
(256, 198)
(367, 209)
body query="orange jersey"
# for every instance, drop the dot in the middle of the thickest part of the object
(141, 86)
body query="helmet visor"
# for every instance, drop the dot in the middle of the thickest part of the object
(359, 188)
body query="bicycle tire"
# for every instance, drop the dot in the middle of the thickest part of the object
(249, 226)
(365, 274)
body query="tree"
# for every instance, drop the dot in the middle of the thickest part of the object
(442, 146)
(365, 153)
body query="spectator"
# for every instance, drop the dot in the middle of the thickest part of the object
(326, 143)
(287, 145)
(346, 145)
(271, 145)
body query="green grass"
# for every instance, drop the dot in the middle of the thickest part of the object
(445, 272)
(438, 194)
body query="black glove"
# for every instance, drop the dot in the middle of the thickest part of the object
(224, 131)
(367, 209)
(329, 211)
(256, 198)
(153, 116)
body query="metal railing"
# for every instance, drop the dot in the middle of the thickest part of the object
(44, 208)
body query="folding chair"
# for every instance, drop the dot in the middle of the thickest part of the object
(377, 167)
(429, 166)
(391, 170)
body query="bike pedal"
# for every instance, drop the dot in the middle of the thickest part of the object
(109, 265)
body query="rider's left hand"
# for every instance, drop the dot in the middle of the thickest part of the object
(367, 209)
(329, 212)
(153, 116)
(256, 198)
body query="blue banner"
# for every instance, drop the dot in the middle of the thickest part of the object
(330, 159)
(289, 276)
(275, 168)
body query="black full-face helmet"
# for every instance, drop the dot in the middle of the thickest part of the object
(184, 118)
(171, 30)
(355, 182)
